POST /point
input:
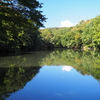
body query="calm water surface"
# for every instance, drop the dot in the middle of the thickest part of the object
(50, 75)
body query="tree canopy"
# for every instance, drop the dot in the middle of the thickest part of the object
(19, 23)
(25, 8)
(85, 35)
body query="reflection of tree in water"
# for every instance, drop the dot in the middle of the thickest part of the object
(95, 72)
(86, 63)
(24, 60)
(14, 79)
(90, 64)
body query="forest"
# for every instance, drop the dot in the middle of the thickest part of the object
(20, 29)
(85, 35)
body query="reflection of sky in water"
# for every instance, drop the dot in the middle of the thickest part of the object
(51, 83)
(64, 67)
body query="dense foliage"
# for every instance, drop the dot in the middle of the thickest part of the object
(19, 23)
(85, 35)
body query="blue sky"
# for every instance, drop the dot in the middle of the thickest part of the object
(66, 13)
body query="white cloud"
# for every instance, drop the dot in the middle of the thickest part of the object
(66, 23)
(67, 68)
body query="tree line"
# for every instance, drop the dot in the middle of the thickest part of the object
(85, 35)
(20, 22)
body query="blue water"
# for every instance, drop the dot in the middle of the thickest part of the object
(59, 83)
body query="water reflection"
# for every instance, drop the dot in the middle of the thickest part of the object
(86, 63)
(67, 68)
(51, 83)
(16, 71)
(25, 60)
(14, 79)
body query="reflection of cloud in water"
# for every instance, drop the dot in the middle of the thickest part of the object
(67, 68)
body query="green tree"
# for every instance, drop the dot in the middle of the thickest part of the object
(90, 36)
(19, 21)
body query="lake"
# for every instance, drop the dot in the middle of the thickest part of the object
(50, 75)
